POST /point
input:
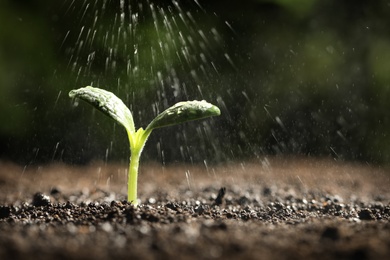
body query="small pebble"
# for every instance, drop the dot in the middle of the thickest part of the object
(5, 212)
(40, 199)
(220, 198)
(366, 214)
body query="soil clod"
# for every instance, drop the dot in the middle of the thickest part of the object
(5, 212)
(366, 214)
(220, 197)
(40, 199)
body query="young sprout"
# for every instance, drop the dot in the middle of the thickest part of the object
(112, 106)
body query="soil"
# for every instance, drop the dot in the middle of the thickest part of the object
(265, 209)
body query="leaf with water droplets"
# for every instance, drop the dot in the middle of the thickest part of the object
(107, 103)
(184, 112)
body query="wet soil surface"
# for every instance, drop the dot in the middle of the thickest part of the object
(266, 209)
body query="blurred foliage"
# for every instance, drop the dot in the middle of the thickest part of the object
(291, 77)
(300, 8)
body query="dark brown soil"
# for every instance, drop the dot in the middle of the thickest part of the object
(278, 209)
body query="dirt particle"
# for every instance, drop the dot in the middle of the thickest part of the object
(243, 201)
(55, 191)
(267, 191)
(366, 214)
(40, 199)
(220, 226)
(199, 209)
(131, 215)
(331, 233)
(150, 217)
(220, 198)
(172, 206)
(5, 212)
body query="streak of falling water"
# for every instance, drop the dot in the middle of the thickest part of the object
(227, 56)
(55, 151)
(207, 167)
(188, 178)
(58, 97)
(178, 35)
(159, 53)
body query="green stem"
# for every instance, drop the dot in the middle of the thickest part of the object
(133, 177)
(137, 143)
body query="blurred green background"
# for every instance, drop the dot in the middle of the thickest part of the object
(291, 77)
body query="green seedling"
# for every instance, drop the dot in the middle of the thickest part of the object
(112, 106)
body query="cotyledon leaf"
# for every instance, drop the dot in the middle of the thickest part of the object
(184, 112)
(107, 103)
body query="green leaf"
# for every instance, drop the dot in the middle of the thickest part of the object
(184, 112)
(107, 103)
